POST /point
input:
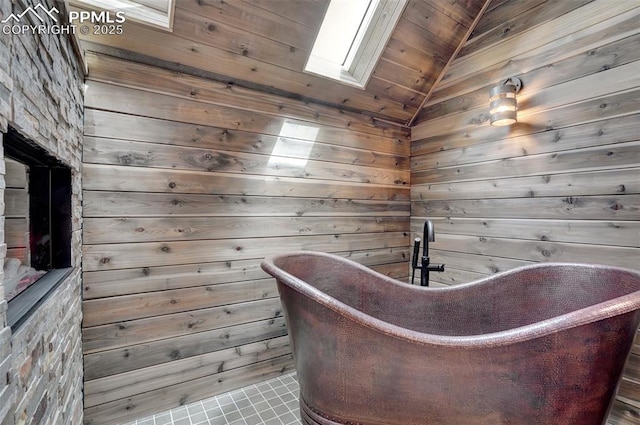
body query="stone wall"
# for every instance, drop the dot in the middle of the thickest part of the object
(41, 81)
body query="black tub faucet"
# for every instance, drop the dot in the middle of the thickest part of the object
(425, 264)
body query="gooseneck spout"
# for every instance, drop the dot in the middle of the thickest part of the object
(429, 233)
(425, 263)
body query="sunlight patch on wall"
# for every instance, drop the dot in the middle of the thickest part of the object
(293, 146)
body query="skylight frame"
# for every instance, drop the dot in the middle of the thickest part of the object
(144, 12)
(367, 48)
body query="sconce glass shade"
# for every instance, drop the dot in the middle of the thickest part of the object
(503, 106)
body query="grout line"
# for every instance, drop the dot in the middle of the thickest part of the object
(233, 400)
(285, 382)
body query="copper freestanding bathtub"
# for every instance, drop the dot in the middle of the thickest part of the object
(543, 344)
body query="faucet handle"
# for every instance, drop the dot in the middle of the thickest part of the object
(435, 267)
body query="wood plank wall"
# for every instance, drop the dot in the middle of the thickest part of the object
(563, 184)
(16, 222)
(188, 184)
(256, 44)
(265, 44)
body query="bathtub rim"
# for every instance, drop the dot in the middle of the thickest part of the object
(593, 313)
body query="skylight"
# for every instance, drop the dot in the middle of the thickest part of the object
(339, 29)
(352, 37)
(157, 13)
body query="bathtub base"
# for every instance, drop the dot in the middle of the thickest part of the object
(309, 417)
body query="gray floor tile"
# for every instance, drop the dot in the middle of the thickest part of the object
(253, 420)
(233, 416)
(214, 413)
(198, 417)
(273, 402)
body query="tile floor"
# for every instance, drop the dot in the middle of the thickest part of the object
(273, 402)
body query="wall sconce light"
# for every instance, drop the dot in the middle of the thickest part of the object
(503, 105)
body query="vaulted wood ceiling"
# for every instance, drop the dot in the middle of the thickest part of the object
(264, 44)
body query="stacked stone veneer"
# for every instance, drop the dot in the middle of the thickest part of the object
(41, 83)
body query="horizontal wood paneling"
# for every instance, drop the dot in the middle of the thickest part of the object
(623, 207)
(130, 74)
(598, 48)
(147, 254)
(144, 404)
(266, 44)
(107, 283)
(179, 371)
(537, 251)
(501, 146)
(107, 205)
(571, 184)
(187, 46)
(138, 306)
(182, 199)
(182, 184)
(150, 229)
(612, 233)
(113, 151)
(116, 361)
(124, 333)
(16, 211)
(592, 18)
(563, 184)
(511, 18)
(186, 189)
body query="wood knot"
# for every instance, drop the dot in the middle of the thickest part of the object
(617, 206)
